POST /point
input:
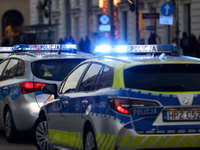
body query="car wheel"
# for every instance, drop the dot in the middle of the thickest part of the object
(90, 142)
(40, 134)
(9, 127)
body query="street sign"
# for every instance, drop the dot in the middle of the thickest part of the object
(167, 9)
(150, 15)
(166, 20)
(150, 27)
(104, 19)
(104, 28)
(104, 25)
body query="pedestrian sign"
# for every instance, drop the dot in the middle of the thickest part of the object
(167, 9)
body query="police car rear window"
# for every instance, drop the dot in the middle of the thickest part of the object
(164, 77)
(54, 69)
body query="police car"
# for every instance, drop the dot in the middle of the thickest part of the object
(124, 101)
(22, 74)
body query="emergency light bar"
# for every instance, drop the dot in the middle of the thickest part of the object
(105, 49)
(6, 49)
(46, 47)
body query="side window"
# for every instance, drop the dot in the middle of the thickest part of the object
(72, 80)
(96, 83)
(2, 67)
(20, 68)
(106, 78)
(10, 69)
(90, 77)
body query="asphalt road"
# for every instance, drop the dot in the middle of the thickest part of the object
(25, 143)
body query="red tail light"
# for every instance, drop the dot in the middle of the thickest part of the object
(29, 87)
(124, 105)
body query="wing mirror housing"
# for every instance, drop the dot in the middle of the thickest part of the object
(50, 89)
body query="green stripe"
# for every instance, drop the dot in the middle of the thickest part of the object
(101, 140)
(113, 146)
(136, 141)
(191, 142)
(161, 141)
(125, 140)
(104, 143)
(184, 142)
(98, 136)
(110, 142)
(197, 137)
(173, 141)
(149, 141)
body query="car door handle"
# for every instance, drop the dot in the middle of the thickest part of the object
(65, 103)
(5, 88)
(84, 102)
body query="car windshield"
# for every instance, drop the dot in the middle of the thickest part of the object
(54, 69)
(163, 77)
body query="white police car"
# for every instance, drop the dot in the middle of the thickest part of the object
(124, 102)
(22, 75)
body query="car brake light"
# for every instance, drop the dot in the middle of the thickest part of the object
(29, 87)
(124, 105)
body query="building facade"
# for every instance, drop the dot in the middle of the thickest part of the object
(79, 19)
(13, 15)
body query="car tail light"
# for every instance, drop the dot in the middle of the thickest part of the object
(124, 105)
(29, 87)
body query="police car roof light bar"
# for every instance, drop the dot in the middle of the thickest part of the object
(124, 49)
(45, 48)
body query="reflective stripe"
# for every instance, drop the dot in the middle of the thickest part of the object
(183, 143)
(101, 140)
(173, 141)
(125, 141)
(110, 142)
(148, 142)
(191, 142)
(72, 138)
(161, 141)
(105, 142)
(136, 141)
(98, 136)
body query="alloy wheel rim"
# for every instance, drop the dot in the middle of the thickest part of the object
(8, 123)
(89, 145)
(42, 136)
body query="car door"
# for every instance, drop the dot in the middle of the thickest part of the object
(9, 90)
(60, 130)
(2, 92)
(78, 102)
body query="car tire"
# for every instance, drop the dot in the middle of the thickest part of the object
(90, 141)
(9, 127)
(40, 134)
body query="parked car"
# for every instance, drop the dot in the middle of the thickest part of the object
(22, 75)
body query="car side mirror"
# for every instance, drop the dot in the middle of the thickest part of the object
(50, 89)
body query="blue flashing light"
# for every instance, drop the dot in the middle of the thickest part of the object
(45, 47)
(104, 49)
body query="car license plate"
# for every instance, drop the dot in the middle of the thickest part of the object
(181, 115)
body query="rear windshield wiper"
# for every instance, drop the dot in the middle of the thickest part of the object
(168, 88)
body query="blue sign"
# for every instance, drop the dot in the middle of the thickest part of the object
(104, 19)
(166, 20)
(167, 9)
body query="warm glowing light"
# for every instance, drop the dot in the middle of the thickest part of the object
(101, 3)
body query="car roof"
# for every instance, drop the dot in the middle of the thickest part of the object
(38, 56)
(142, 59)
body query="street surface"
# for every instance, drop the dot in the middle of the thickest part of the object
(24, 144)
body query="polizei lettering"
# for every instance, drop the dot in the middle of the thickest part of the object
(142, 112)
